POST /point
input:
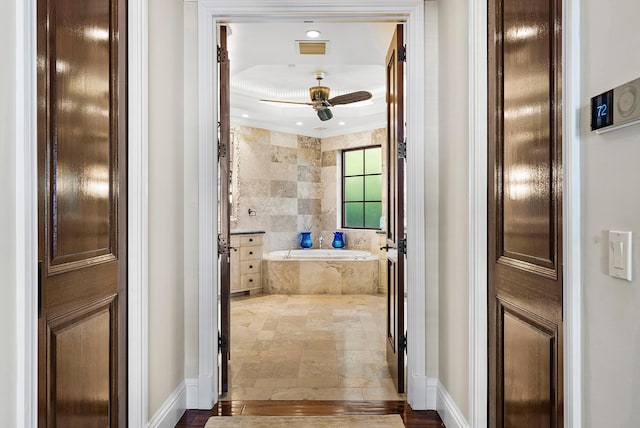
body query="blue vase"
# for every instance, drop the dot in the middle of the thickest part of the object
(305, 241)
(338, 240)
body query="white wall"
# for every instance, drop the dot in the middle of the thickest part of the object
(610, 200)
(454, 195)
(7, 215)
(166, 202)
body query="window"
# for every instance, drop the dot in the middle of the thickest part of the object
(362, 188)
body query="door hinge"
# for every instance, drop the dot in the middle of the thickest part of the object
(402, 54)
(402, 149)
(223, 246)
(404, 342)
(222, 150)
(223, 56)
(402, 246)
(222, 343)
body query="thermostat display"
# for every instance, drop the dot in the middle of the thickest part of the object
(601, 110)
(616, 108)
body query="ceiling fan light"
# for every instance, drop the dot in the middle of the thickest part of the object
(325, 114)
(312, 34)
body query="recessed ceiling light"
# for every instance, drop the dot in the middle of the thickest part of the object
(245, 115)
(299, 123)
(341, 123)
(313, 34)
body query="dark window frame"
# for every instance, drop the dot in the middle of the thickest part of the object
(342, 183)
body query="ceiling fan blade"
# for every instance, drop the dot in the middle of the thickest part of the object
(352, 97)
(288, 102)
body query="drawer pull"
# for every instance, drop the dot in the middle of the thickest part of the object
(250, 252)
(250, 239)
(250, 266)
(251, 280)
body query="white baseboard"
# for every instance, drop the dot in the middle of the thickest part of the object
(192, 393)
(448, 410)
(171, 410)
(422, 392)
(432, 393)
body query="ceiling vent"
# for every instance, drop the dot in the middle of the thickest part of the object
(316, 47)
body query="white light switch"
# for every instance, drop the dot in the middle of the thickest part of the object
(620, 254)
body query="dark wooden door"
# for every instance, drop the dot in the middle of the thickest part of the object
(82, 213)
(224, 210)
(525, 214)
(395, 209)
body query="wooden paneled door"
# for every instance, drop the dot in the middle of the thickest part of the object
(224, 210)
(525, 214)
(395, 244)
(82, 198)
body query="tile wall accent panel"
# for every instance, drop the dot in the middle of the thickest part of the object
(281, 206)
(283, 223)
(329, 158)
(307, 190)
(281, 240)
(310, 223)
(284, 189)
(284, 140)
(310, 143)
(310, 157)
(308, 206)
(254, 187)
(308, 173)
(284, 155)
(282, 171)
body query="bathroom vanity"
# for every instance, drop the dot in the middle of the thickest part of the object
(246, 261)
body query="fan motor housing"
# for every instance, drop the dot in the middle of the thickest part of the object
(319, 93)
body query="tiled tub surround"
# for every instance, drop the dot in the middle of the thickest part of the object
(320, 272)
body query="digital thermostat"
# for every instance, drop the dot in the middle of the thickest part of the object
(616, 108)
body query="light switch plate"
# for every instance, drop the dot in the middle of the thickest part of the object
(620, 252)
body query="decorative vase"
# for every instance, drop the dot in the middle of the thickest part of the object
(305, 241)
(338, 240)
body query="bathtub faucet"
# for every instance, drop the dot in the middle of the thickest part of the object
(320, 241)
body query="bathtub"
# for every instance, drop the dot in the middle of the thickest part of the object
(316, 271)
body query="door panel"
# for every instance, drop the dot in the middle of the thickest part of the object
(82, 213)
(525, 218)
(395, 210)
(83, 403)
(224, 211)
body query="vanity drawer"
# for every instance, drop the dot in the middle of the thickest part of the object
(253, 280)
(250, 266)
(251, 253)
(246, 240)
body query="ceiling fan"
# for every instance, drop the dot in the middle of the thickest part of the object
(321, 102)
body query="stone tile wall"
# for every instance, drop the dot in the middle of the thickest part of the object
(292, 184)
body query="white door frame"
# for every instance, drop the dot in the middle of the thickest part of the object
(412, 12)
(478, 150)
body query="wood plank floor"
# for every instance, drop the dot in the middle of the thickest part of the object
(411, 418)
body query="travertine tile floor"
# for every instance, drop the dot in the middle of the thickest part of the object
(312, 347)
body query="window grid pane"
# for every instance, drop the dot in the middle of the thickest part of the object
(362, 188)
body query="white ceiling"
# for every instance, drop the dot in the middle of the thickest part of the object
(265, 64)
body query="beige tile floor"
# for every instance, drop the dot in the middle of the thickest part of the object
(313, 347)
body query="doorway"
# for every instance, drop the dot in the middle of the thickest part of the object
(286, 181)
(414, 15)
